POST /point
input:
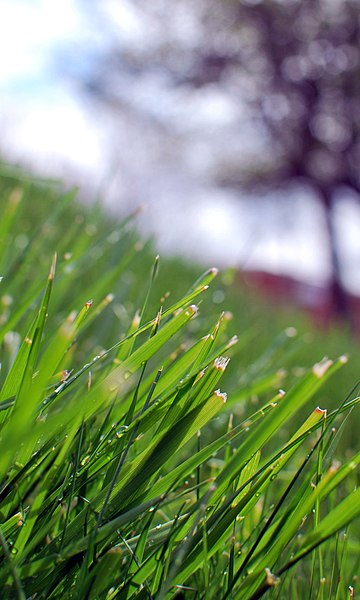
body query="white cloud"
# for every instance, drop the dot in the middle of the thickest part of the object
(54, 131)
(28, 31)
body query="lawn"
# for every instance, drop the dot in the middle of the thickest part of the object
(163, 433)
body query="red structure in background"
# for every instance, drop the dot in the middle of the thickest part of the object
(316, 300)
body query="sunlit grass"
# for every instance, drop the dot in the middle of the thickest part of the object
(127, 471)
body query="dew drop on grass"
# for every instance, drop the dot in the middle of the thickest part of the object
(114, 237)
(91, 229)
(6, 301)
(121, 430)
(218, 297)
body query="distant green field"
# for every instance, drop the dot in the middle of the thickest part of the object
(160, 430)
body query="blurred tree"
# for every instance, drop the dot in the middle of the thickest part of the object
(294, 64)
(302, 59)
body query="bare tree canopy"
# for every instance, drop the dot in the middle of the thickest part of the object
(291, 67)
(304, 59)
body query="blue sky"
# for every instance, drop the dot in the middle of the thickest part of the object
(41, 119)
(44, 123)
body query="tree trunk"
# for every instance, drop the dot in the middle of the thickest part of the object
(338, 296)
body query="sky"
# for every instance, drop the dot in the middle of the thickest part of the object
(46, 123)
(41, 119)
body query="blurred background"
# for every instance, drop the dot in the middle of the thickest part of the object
(234, 122)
